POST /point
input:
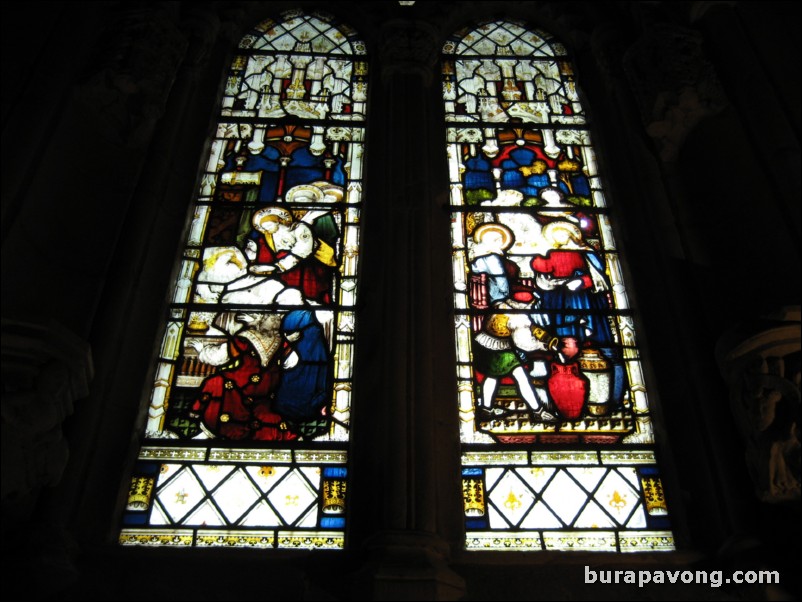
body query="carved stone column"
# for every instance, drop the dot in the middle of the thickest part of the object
(760, 360)
(82, 177)
(126, 321)
(400, 434)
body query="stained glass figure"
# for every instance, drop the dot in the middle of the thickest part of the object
(555, 423)
(248, 422)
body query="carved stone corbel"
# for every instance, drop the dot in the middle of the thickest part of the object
(409, 47)
(761, 363)
(674, 85)
(45, 368)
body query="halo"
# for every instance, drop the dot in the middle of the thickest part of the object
(573, 231)
(504, 231)
(331, 192)
(304, 193)
(273, 213)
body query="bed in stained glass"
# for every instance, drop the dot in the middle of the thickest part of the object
(248, 420)
(558, 447)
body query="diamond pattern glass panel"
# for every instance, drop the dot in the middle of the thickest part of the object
(511, 499)
(235, 496)
(292, 497)
(564, 497)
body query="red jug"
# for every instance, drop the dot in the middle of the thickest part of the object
(568, 389)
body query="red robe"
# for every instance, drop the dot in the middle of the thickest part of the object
(563, 264)
(310, 276)
(235, 403)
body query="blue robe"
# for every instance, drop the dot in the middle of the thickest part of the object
(306, 387)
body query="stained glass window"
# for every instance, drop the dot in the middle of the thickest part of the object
(248, 420)
(556, 431)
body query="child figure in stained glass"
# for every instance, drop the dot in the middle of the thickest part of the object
(290, 251)
(500, 350)
(505, 339)
(302, 269)
(503, 275)
(272, 224)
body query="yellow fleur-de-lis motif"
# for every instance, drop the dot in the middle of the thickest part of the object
(618, 501)
(512, 502)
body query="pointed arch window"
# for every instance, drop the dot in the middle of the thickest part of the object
(556, 432)
(248, 419)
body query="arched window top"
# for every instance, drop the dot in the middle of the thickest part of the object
(301, 33)
(503, 38)
(501, 72)
(306, 67)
